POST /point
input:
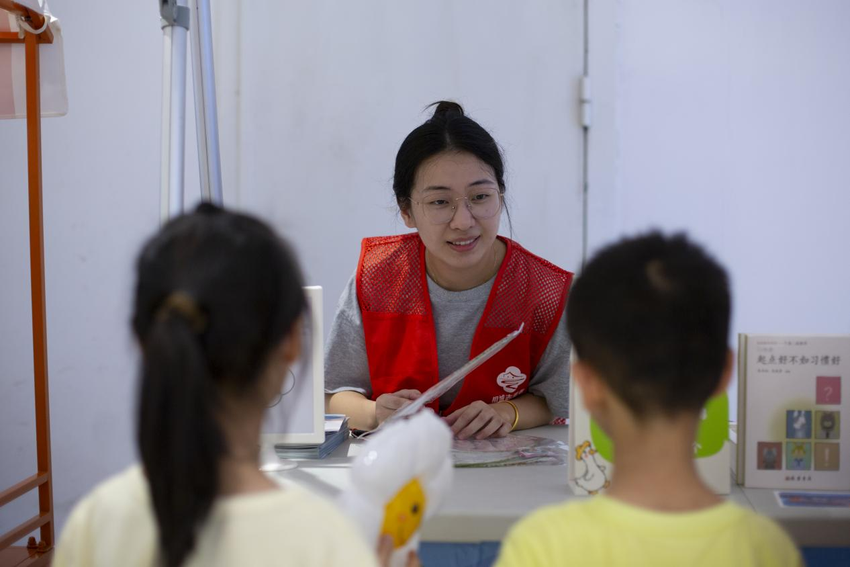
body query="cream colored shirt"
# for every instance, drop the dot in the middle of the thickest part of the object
(605, 531)
(114, 525)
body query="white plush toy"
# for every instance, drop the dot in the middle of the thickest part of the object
(399, 479)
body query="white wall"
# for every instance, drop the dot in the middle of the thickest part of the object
(729, 120)
(329, 90)
(16, 364)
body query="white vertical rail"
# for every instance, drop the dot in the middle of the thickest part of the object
(206, 116)
(175, 27)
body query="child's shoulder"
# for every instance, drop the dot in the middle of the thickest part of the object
(764, 540)
(124, 490)
(549, 534)
(557, 519)
(764, 530)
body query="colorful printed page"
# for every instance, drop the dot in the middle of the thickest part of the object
(509, 451)
(793, 405)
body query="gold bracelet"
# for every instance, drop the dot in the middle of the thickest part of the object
(516, 413)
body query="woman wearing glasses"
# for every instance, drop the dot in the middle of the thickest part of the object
(422, 304)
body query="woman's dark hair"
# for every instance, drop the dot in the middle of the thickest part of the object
(216, 293)
(651, 315)
(448, 130)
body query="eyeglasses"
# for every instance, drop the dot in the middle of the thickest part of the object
(440, 208)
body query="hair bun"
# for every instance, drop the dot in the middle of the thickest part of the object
(208, 208)
(446, 109)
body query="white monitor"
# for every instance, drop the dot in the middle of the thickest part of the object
(298, 418)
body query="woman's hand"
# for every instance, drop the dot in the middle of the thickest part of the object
(385, 550)
(387, 404)
(481, 420)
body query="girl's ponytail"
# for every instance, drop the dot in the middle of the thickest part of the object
(179, 439)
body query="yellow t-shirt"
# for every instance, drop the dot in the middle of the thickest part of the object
(605, 531)
(114, 525)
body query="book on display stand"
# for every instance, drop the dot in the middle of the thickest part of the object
(792, 430)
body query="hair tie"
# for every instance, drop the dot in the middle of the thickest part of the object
(183, 304)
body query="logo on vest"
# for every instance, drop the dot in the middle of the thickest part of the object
(510, 379)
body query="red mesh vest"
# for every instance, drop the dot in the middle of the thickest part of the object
(401, 344)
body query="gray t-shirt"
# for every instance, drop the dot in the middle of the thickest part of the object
(456, 316)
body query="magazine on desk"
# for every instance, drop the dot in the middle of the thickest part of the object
(513, 450)
(792, 430)
(591, 459)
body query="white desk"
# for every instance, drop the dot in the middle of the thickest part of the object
(485, 502)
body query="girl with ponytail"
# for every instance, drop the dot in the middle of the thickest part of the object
(217, 315)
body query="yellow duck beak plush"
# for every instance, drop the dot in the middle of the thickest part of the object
(399, 480)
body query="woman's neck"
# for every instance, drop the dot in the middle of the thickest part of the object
(460, 280)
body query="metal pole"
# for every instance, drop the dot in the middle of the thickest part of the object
(175, 27)
(206, 117)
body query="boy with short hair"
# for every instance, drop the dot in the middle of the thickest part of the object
(649, 319)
